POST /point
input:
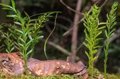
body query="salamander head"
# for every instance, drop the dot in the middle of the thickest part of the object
(11, 63)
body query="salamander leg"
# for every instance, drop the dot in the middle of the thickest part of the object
(82, 73)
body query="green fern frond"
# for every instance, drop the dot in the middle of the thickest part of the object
(92, 34)
(110, 28)
(26, 31)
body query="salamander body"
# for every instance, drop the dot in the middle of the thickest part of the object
(50, 67)
(13, 64)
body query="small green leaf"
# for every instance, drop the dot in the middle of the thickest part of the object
(29, 43)
(29, 52)
(21, 45)
(18, 23)
(12, 16)
(19, 31)
(87, 54)
(95, 58)
(22, 40)
(13, 3)
(5, 6)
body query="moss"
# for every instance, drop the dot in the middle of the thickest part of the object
(113, 76)
(100, 75)
(34, 77)
(110, 76)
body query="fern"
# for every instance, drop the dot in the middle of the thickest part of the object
(26, 31)
(111, 21)
(8, 42)
(92, 34)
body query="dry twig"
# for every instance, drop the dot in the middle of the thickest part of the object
(75, 31)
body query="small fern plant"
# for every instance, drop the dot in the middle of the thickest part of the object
(26, 31)
(110, 28)
(92, 36)
(8, 42)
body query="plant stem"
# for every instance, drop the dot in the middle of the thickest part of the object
(91, 66)
(106, 57)
(92, 34)
(25, 65)
(111, 21)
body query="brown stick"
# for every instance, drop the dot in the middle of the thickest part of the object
(58, 47)
(68, 32)
(75, 31)
(63, 50)
(68, 7)
(104, 3)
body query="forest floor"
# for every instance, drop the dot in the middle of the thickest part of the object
(110, 76)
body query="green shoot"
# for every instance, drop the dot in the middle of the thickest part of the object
(111, 21)
(8, 42)
(92, 34)
(26, 31)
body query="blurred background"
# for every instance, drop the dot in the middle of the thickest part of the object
(60, 43)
